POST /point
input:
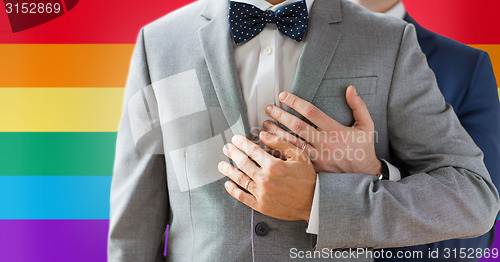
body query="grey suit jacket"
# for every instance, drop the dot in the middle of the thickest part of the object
(183, 102)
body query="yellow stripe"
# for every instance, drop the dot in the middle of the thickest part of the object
(64, 65)
(60, 109)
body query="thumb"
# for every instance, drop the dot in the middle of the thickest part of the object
(362, 117)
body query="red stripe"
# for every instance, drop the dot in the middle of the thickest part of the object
(469, 22)
(92, 22)
(64, 6)
(118, 21)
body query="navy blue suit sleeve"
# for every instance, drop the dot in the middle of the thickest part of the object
(479, 113)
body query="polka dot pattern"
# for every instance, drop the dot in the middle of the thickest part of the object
(246, 21)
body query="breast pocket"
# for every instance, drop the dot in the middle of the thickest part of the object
(338, 86)
(330, 97)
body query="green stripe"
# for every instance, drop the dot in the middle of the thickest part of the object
(57, 153)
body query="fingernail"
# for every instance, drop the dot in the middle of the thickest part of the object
(354, 90)
(227, 184)
(264, 133)
(283, 96)
(236, 138)
(269, 109)
(267, 124)
(225, 148)
(221, 165)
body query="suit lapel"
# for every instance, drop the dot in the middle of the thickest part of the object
(423, 36)
(320, 44)
(218, 50)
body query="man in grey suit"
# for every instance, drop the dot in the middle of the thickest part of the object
(190, 92)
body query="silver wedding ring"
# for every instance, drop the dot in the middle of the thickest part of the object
(247, 183)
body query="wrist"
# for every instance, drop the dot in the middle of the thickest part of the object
(375, 168)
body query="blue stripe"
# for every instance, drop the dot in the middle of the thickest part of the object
(54, 197)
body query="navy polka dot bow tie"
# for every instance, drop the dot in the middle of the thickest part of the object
(247, 21)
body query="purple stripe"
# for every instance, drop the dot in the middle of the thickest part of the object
(53, 240)
(72, 240)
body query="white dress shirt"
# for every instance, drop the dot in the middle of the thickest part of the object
(397, 11)
(266, 66)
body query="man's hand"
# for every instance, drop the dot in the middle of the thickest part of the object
(331, 146)
(278, 188)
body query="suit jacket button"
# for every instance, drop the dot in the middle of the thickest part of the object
(262, 229)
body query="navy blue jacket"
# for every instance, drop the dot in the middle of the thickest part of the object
(465, 77)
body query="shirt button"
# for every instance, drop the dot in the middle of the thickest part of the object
(262, 229)
(268, 51)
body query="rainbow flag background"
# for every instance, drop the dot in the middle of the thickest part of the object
(61, 91)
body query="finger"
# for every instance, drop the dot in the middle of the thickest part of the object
(274, 129)
(237, 176)
(309, 111)
(241, 195)
(251, 149)
(241, 160)
(299, 127)
(277, 154)
(362, 117)
(278, 143)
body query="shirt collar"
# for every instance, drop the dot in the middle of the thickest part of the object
(264, 5)
(397, 11)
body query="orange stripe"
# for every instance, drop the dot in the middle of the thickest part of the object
(64, 65)
(90, 65)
